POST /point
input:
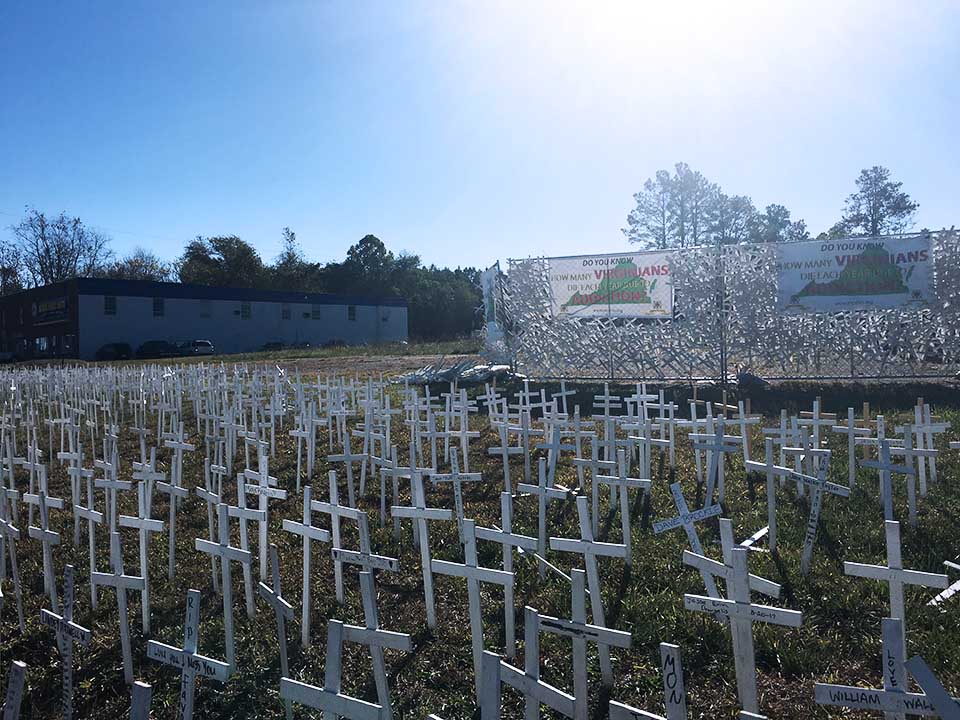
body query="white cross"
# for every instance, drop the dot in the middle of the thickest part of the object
(741, 614)
(894, 574)
(188, 660)
(145, 526)
(421, 514)
(623, 483)
(174, 492)
(474, 575)
(505, 451)
(10, 534)
(591, 549)
(819, 486)
(715, 444)
(121, 582)
(852, 432)
(265, 493)
(535, 691)
(950, 591)
(456, 478)
(284, 612)
(48, 539)
(328, 698)
(579, 631)
(227, 554)
(67, 633)
(336, 511)
(772, 471)
(508, 540)
(946, 706)
(544, 493)
(895, 699)
(348, 459)
(245, 515)
(688, 519)
(886, 468)
(14, 696)
(309, 532)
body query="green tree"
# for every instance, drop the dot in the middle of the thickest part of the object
(734, 219)
(141, 264)
(224, 261)
(879, 206)
(648, 224)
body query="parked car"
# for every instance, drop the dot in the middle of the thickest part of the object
(156, 349)
(201, 347)
(114, 351)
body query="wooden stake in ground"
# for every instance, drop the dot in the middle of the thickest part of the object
(742, 613)
(265, 493)
(67, 633)
(10, 535)
(309, 532)
(188, 660)
(620, 481)
(121, 582)
(140, 696)
(544, 494)
(48, 539)
(578, 630)
(245, 515)
(284, 612)
(772, 471)
(474, 575)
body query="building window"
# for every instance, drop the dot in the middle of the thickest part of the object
(285, 311)
(315, 312)
(159, 310)
(244, 311)
(204, 308)
(109, 304)
(352, 313)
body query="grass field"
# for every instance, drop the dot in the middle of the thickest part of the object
(839, 640)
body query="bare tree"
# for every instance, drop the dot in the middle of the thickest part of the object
(59, 248)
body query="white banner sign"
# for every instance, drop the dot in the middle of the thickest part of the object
(628, 285)
(853, 274)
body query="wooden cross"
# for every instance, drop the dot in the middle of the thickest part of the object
(89, 513)
(174, 492)
(894, 574)
(348, 459)
(309, 532)
(265, 493)
(742, 613)
(591, 549)
(67, 633)
(212, 495)
(946, 706)
(535, 691)
(715, 444)
(284, 612)
(421, 515)
(595, 465)
(950, 591)
(852, 432)
(365, 557)
(688, 519)
(145, 526)
(48, 539)
(895, 699)
(505, 451)
(622, 482)
(377, 640)
(456, 478)
(474, 575)
(121, 582)
(674, 697)
(227, 554)
(579, 631)
(886, 468)
(606, 402)
(336, 511)
(245, 515)
(508, 540)
(554, 446)
(544, 493)
(914, 456)
(187, 659)
(772, 471)
(819, 486)
(745, 421)
(328, 698)
(14, 696)
(10, 534)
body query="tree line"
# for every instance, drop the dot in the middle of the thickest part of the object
(442, 303)
(684, 209)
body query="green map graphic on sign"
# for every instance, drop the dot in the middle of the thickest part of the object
(870, 273)
(622, 285)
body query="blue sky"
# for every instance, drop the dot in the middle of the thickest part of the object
(465, 132)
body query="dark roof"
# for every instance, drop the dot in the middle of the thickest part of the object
(146, 288)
